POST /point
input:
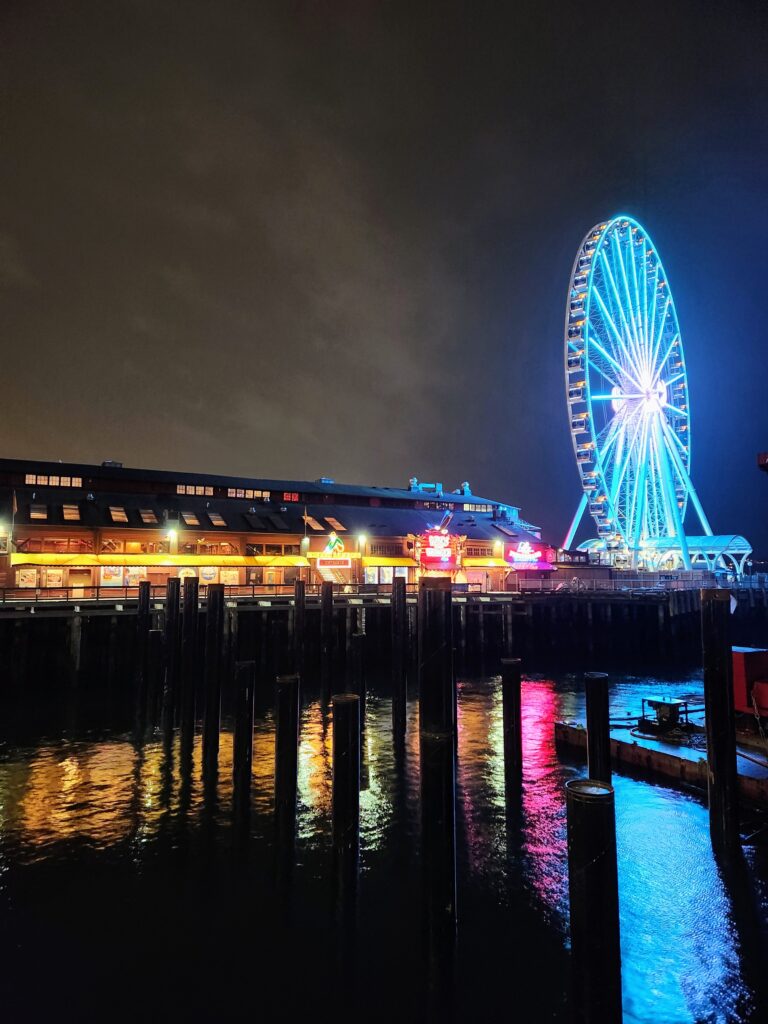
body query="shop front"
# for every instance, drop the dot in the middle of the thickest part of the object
(379, 570)
(82, 574)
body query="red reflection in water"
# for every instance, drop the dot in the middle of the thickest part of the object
(544, 835)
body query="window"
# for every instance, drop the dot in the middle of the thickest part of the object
(190, 488)
(479, 551)
(190, 519)
(254, 549)
(30, 478)
(180, 489)
(209, 492)
(240, 492)
(216, 519)
(43, 481)
(118, 513)
(291, 549)
(71, 513)
(310, 521)
(231, 492)
(274, 549)
(77, 481)
(249, 493)
(66, 481)
(199, 490)
(387, 550)
(53, 481)
(478, 508)
(335, 524)
(290, 496)
(148, 516)
(38, 511)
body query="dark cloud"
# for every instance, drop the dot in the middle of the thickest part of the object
(326, 238)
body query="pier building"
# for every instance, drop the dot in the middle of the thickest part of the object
(73, 528)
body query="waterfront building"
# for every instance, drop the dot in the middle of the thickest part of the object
(75, 527)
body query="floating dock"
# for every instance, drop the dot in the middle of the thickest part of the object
(673, 761)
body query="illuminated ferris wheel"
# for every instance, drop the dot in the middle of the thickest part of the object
(627, 391)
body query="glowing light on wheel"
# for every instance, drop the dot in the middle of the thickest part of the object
(627, 391)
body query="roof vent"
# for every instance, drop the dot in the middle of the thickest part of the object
(413, 484)
(111, 464)
(465, 488)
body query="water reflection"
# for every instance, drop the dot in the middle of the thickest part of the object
(683, 946)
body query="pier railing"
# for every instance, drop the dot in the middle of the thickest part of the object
(558, 585)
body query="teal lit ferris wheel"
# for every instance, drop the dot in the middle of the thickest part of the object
(628, 400)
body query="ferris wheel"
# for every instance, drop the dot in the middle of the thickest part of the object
(627, 393)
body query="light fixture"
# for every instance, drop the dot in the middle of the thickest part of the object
(171, 535)
(361, 539)
(305, 542)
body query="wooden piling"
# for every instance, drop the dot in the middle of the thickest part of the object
(720, 720)
(299, 625)
(326, 636)
(437, 691)
(512, 716)
(598, 726)
(242, 760)
(286, 755)
(214, 640)
(172, 651)
(189, 662)
(399, 624)
(594, 902)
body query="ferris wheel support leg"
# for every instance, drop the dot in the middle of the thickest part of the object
(575, 522)
(669, 489)
(689, 485)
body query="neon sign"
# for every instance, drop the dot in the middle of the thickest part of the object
(525, 556)
(334, 563)
(335, 545)
(438, 549)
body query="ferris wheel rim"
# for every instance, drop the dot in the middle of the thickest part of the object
(670, 488)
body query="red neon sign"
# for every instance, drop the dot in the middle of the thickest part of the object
(438, 550)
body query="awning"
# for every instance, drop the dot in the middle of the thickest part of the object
(379, 561)
(485, 563)
(170, 561)
(323, 554)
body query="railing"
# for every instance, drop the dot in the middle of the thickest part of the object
(256, 591)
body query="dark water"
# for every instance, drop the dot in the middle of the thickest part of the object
(126, 891)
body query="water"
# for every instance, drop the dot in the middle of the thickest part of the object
(125, 889)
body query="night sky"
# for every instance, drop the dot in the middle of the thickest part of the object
(302, 239)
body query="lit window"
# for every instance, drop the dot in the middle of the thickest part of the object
(248, 493)
(43, 481)
(180, 489)
(240, 492)
(71, 513)
(77, 481)
(190, 488)
(199, 490)
(66, 481)
(54, 481)
(147, 516)
(335, 524)
(265, 495)
(209, 492)
(190, 518)
(38, 511)
(30, 478)
(216, 519)
(118, 513)
(231, 492)
(290, 496)
(310, 521)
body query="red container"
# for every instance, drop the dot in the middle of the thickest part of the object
(750, 672)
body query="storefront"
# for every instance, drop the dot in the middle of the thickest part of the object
(90, 571)
(379, 570)
(438, 553)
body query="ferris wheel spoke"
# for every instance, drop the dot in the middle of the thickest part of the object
(622, 472)
(638, 502)
(626, 370)
(601, 369)
(677, 412)
(615, 293)
(651, 325)
(667, 354)
(633, 338)
(643, 261)
(659, 333)
(674, 380)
